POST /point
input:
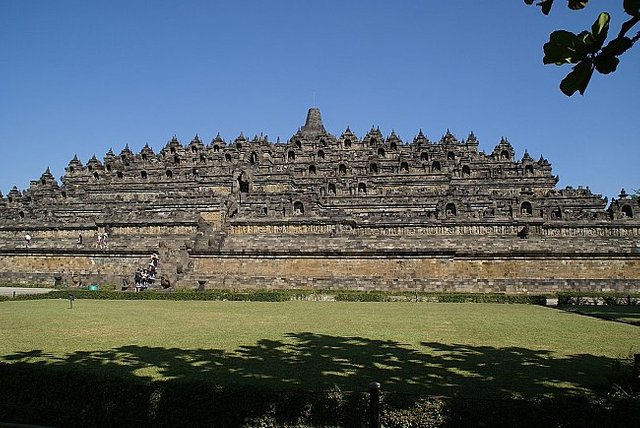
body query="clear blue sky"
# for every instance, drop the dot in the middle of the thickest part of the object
(80, 77)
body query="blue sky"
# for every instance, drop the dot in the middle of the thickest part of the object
(81, 77)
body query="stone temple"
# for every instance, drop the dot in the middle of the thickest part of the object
(324, 212)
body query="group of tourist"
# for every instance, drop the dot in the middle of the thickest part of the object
(102, 241)
(145, 278)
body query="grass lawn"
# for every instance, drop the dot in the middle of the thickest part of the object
(468, 350)
(629, 314)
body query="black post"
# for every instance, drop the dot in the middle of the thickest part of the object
(201, 283)
(374, 405)
(14, 294)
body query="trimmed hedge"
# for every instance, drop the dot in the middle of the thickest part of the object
(440, 297)
(256, 296)
(55, 396)
(59, 396)
(287, 295)
(577, 298)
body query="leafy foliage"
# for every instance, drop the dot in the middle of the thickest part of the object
(608, 299)
(587, 49)
(65, 397)
(287, 295)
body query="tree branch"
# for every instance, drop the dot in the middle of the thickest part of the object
(628, 26)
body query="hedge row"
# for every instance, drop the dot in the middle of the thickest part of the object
(31, 394)
(564, 298)
(594, 298)
(287, 295)
(255, 296)
(441, 297)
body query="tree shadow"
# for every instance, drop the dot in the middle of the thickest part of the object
(312, 361)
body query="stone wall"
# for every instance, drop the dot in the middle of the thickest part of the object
(437, 272)
(524, 274)
(69, 269)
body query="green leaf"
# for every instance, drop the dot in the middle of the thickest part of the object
(599, 31)
(601, 26)
(606, 64)
(617, 46)
(578, 78)
(564, 47)
(577, 4)
(632, 7)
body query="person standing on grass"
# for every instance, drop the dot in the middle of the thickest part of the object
(27, 240)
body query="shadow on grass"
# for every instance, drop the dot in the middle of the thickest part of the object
(624, 314)
(315, 361)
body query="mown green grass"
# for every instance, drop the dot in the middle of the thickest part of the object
(470, 350)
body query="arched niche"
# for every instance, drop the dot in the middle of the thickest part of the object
(143, 175)
(253, 158)
(362, 188)
(451, 156)
(528, 169)
(291, 156)
(436, 167)
(243, 183)
(466, 171)
(342, 169)
(168, 173)
(381, 152)
(298, 208)
(526, 208)
(312, 169)
(332, 189)
(424, 156)
(373, 168)
(450, 209)
(227, 157)
(627, 211)
(404, 167)
(320, 154)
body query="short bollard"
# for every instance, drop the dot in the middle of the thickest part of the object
(201, 283)
(71, 298)
(374, 405)
(14, 294)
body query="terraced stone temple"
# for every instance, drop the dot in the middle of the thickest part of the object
(322, 211)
